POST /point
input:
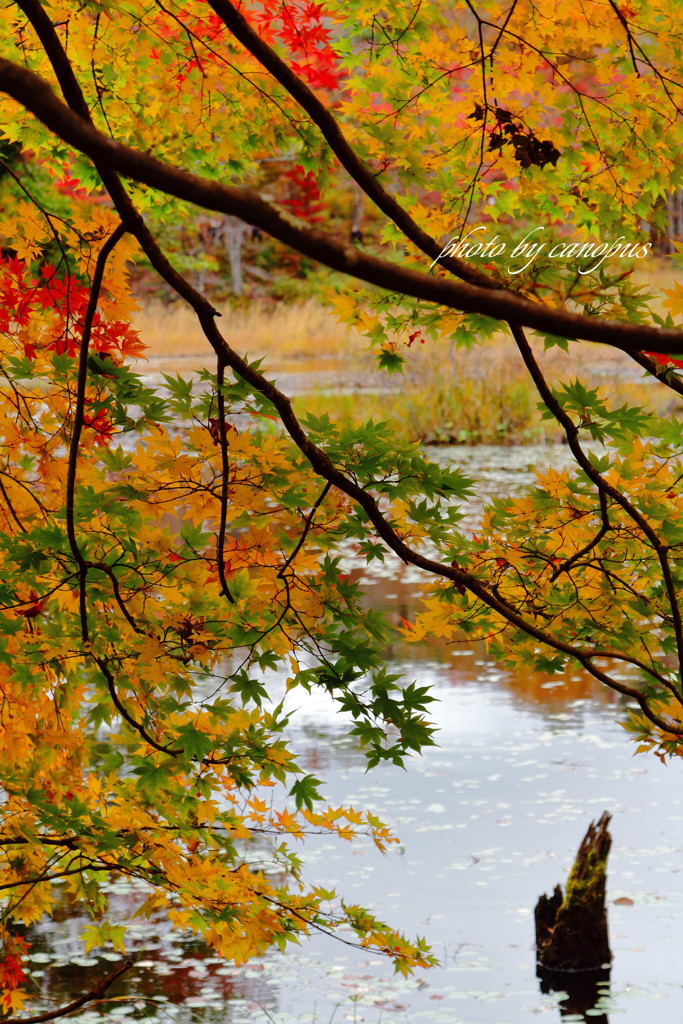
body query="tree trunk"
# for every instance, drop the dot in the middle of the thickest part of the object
(234, 231)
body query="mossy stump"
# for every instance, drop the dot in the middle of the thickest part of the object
(571, 929)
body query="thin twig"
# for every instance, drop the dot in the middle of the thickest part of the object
(78, 421)
(95, 993)
(225, 474)
(309, 522)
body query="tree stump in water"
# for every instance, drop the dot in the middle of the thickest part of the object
(572, 940)
(571, 930)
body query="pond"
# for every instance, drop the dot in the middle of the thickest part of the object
(488, 820)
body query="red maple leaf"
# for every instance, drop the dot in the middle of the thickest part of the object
(99, 422)
(34, 606)
(305, 199)
(664, 359)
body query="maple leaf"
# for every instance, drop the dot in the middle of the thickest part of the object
(664, 359)
(674, 298)
(34, 605)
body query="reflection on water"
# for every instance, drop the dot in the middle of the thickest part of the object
(583, 995)
(399, 596)
(488, 820)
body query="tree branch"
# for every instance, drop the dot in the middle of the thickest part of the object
(604, 528)
(331, 132)
(659, 547)
(308, 524)
(95, 993)
(36, 95)
(77, 429)
(225, 471)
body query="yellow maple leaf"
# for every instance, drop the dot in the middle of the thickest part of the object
(674, 300)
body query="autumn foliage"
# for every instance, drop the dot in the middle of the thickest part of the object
(172, 558)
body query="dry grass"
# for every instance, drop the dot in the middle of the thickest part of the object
(301, 331)
(446, 394)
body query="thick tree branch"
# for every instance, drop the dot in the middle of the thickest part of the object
(332, 133)
(36, 95)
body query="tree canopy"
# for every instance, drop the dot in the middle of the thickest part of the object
(167, 554)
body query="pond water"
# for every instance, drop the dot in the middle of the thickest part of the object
(488, 820)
